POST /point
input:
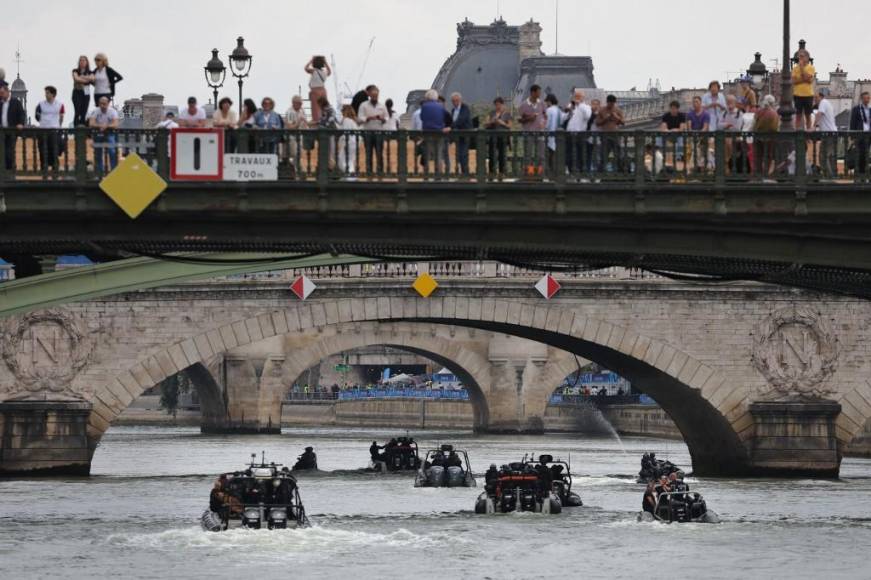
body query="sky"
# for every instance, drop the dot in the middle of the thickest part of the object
(162, 45)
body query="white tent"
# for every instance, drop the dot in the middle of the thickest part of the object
(403, 378)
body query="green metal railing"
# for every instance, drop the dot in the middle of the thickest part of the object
(639, 157)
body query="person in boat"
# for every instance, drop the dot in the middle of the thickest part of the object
(308, 460)
(438, 460)
(453, 460)
(556, 472)
(677, 485)
(216, 498)
(491, 477)
(545, 478)
(374, 452)
(662, 486)
(648, 503)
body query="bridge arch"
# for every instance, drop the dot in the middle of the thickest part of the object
(711, 411)
(472, 367)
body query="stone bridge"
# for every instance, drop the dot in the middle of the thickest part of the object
(760, 381)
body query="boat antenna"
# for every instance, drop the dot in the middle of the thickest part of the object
(253, 459)
(263, 457)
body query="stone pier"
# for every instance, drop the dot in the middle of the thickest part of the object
(795, 439)
(44, 438)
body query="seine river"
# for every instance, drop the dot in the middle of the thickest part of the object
(137, 517)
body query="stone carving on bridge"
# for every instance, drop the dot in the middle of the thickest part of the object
(796, 351)
(45, 351)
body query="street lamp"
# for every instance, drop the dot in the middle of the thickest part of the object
(240, 65)
(787, 110)
(758, 72)
(216, 72)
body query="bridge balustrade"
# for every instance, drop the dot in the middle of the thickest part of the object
(364, 394)
(631, 158)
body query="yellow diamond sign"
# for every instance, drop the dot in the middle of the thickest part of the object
(425, 285)
(133, 185)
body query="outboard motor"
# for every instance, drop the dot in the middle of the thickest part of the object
(456, 477)
(251, 518)
(278, 518)
(436, 475)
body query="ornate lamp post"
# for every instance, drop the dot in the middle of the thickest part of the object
(240, 65)
(758, 73)
(786, 111)
(216, 72)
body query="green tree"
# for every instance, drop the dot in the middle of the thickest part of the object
(171, 388)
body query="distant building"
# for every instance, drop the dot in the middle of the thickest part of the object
(503, 60)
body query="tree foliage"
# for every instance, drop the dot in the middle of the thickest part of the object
(171, 389)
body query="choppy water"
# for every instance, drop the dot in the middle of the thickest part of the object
(137, 517)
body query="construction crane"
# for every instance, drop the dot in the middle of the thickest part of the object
(348, 91)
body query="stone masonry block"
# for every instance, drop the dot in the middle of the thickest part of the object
(677, 363)
(345, 314)
(264, 321)
(166, 363)
(319, 315)
(215, 341)
(462, 308)
(449, 307)
(190, 352)
(292, 317)
(203, 347)
(567, 318)
(178, 357)
(488, 309)
(513, 313)
(370, 309)
(279, 322)
(527, 315)
(154, 371)
(240, 330)
(579, 326)
(702, 374)
(500, 311)
(306, 320)
(332, 310)
(253, 328)
(603, 332)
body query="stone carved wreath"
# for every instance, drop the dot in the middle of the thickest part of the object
(796, 351)
(67, 352)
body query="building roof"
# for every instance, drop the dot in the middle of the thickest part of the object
(18, 85)
(504, 60)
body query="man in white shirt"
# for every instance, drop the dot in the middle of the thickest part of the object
(295, 120)
(579, 115)
(715, 104)
(192, 117)
(104, 119)
(168, 122)
(824, 122)
(825, 118)
(49, 115)
(371, 117)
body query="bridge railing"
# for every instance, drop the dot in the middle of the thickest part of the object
(441, 270)
(629, 157)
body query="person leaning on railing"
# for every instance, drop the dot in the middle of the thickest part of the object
(824, 122)
(295, 120)
(767, 122)
(105, 120)
(432, 117)
(267, 119)
(498, 121)
(860, 121)
(225, 118)
(12, 116)
(50, 115)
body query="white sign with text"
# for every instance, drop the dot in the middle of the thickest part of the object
(250, 167)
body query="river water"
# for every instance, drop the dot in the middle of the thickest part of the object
(137, 517)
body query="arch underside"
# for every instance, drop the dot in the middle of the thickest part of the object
(712, 441)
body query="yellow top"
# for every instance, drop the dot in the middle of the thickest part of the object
(801, 87)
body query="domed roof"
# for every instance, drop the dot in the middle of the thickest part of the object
(18, 85)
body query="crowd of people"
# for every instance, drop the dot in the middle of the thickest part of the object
(592, 131)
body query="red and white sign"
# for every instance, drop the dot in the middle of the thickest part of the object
(547, 286)
(303, 287)
(197, 155)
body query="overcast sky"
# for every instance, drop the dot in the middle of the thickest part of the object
(162, 45)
